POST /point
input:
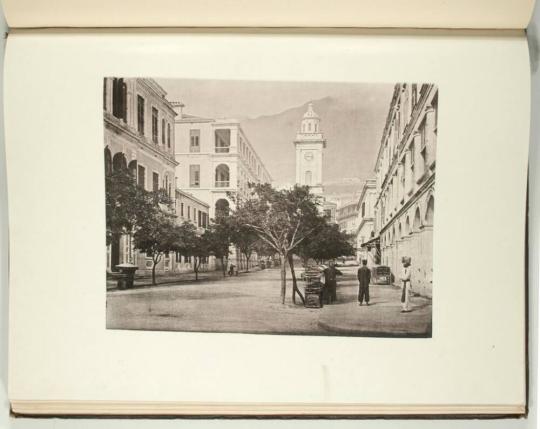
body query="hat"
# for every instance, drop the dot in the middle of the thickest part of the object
(406, 259)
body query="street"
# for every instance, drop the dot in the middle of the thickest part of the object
(250, 303)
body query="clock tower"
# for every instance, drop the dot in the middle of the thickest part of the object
(309, 144)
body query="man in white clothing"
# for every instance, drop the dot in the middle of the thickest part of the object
(405, 284)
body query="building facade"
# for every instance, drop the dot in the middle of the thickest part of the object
(139, 138)
(346, 217)
(188, 208)
(365, 225)
(405, 181)
(310, 144)
(216, 161)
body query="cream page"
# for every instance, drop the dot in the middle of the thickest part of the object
(60, 349)
(270, 13)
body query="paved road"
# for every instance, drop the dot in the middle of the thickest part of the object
(250, 303)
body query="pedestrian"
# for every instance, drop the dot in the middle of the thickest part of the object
(406, 284)
(364, 278)
(330, 280)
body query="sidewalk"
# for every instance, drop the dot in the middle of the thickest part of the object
(145, 280)
(382, 318)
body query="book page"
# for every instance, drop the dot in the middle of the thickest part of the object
(58, 124)
(493, 14)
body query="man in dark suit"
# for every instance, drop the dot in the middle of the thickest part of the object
(364, 277)
(330, 274)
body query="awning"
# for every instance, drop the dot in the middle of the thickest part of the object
(376, 241)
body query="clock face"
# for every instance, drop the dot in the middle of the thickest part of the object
(308, 156)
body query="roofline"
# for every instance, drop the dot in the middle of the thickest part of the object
(191, 196)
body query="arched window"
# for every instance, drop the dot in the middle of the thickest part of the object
(119, 162)
(430, 211)
(222, 176)
(308, 178)
(417, 224)
(108, 162)
(309, 126)
(132, 168)
(222, 207)
(407, 230)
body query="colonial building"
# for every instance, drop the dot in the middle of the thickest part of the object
(365, 225)
(216, 160)
(188, 208)
(346, 217)
(139, 138)
(405, 174)
(309, 145)
(330, 211)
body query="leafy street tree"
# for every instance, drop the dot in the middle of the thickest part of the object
(281, 218)
(155, 237)
(190, 243)
(218, 239)
(128, 206)
(243, 237)
(330, 243)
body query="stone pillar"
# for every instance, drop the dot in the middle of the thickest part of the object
(401, 188)
(108, 95)
(408, 173)
(431, 137)
(427, 260)
(418, 161)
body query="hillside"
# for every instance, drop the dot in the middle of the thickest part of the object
(352, 126)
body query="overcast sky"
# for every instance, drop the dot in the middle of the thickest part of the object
(352, 114)
(229, 98)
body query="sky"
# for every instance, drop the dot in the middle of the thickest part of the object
(251, 99)
(352, 118)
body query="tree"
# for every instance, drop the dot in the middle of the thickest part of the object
(243, 237)
(155, 237)
(218, 239)
(192, 244)
(283, 219)
(331, 243)
(128, 206)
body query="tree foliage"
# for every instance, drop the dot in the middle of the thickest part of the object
(218, 239)
(328, 243)
(190, 243)
(129, 206)
(283, 219)
(156, 237)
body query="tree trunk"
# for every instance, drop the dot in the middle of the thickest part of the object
(295, 289)
(223, 267)
(283, 260)
(247, 261)
(196, 268)
(154, 272)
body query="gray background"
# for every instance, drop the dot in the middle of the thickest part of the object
(534, 235)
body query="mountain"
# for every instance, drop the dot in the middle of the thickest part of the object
(352, 125)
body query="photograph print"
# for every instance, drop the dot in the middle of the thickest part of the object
(262, 207)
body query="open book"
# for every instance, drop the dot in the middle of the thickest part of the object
(217, 218)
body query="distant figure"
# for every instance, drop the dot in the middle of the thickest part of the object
(405, 284)
(330, 282)
(364, 277)
(231, 270)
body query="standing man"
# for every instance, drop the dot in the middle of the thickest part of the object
(406, 284)
(364, 277)
(330, 274)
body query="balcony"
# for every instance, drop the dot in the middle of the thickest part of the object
(222, 184)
